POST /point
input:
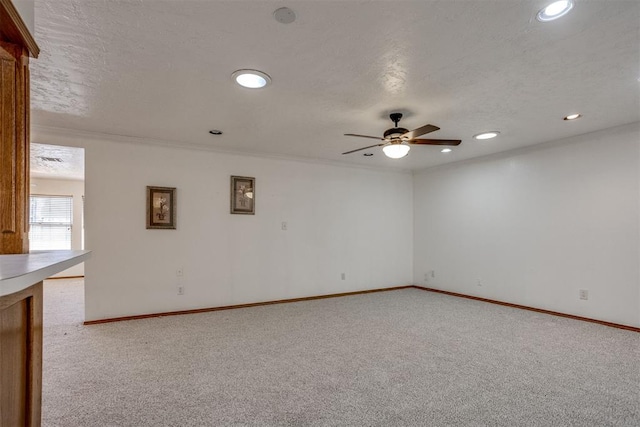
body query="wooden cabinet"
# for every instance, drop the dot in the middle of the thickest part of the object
(20, 311)
(21, 277)
(21, 357)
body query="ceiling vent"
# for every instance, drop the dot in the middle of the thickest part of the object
(50, 159)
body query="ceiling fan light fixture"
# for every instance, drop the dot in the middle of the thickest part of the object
(554, 10)
(396, 151)
(486, 135)
(251, 79)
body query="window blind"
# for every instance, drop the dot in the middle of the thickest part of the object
(50, 220)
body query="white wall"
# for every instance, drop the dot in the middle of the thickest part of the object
(340, 220)
(537, 225)
(61, 187)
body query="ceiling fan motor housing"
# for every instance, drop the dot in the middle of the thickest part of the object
(394, 133)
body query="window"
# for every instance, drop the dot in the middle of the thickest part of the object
(50, 220)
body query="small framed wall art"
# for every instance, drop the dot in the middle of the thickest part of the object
(161, 207)
(243, 195)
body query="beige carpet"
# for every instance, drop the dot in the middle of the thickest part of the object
(399, 358)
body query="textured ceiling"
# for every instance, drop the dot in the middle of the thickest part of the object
(162, 70)
(56, 162)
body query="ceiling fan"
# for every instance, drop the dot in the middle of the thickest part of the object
(397, 140)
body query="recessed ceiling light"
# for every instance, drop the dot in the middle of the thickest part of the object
(573, 116)
(486, 135)
(445, 150)
(555, 10)
(252, 79)
(215, 132)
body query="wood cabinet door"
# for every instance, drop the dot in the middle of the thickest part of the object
(21, 358)
(13, 364)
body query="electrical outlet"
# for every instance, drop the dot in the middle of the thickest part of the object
(284, 226)
(180, 272)
(343, 276)
(180, 290)
(479, 283)
(584, 294)
(433, 273)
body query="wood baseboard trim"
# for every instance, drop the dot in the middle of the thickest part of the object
(538, 310)
(232, 307)
(64, 277)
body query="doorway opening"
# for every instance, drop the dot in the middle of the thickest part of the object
(56, 211)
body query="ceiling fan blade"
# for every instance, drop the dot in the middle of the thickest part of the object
(364, 148)
(452, 142)
(364, 136)
(420, 131)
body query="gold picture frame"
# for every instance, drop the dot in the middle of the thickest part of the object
(161, 208)
(243, 195)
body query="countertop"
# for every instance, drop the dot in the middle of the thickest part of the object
(18, 272)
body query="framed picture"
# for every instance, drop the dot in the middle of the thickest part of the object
(243, 195)
(161, 207)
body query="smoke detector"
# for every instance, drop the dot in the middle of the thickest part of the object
(284, 15)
